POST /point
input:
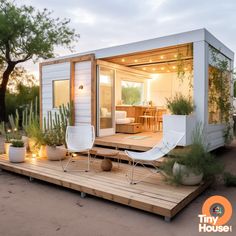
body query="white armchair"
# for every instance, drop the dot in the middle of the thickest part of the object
(121, 118)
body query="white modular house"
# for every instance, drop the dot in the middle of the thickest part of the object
(116, 89)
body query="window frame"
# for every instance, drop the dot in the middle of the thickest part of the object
(53, 91)
(137, 82)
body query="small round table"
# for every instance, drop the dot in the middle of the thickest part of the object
(106, 164)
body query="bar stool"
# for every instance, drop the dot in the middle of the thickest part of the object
(147, 119)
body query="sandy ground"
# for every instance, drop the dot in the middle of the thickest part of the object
(37, 208)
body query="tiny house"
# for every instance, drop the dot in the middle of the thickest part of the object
(120, 85)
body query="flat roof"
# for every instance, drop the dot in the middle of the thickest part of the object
(150, 44)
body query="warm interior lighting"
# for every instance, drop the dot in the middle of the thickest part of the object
(174, 67)
(144, 68)
(81, 87)
(168, 71)
(34, 155)
(175, 56)
(154, 76)
(153, 69)
(185, 68)
(162, 57)
(135, 60)
(162, 68)
(8, 131)
(123, 60)
(150, 60)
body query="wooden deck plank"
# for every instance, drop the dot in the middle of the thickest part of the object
(128, 141)
(154, 195)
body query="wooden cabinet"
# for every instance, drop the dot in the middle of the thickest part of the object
(132, 128)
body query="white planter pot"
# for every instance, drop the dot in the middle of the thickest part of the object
(6, 148)
(55, 153)
(180, 123)
(188, 177)
(17, 154)
(42, 151)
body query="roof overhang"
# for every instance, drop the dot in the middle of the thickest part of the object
(166, 41)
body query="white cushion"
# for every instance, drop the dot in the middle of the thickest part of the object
(121, 114)
(103, 111)
(122, 121)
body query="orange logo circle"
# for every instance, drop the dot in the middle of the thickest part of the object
(218, 206)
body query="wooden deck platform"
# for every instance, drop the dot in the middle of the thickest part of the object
(154, 195)
(140, 142)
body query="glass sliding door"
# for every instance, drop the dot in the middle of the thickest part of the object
(106, 100)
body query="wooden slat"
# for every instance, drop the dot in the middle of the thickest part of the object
(154, 195)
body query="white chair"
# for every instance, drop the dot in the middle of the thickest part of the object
(79, 139)
(169, 141)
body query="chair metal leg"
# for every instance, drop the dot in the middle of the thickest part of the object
(68, 162)
(134, 164)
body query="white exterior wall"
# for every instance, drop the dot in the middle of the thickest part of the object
(50, 73)
(82, 100)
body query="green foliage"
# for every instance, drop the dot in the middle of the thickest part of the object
(229, 179)
(17, 143)
(21, 99)
(30, 33)
(10, 131)
(195, 158)
(180, 105)
(55, 126)
(219, 99)
(131, 95)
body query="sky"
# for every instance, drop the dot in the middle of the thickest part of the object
(104, 23)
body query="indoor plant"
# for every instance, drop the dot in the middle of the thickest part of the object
(17, 151)
(181, 118)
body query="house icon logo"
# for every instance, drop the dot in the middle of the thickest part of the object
(216, 212)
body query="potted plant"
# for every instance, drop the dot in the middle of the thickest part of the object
(181, 118)
(8, 135)
(55, 149)
(193, 164)
(17, 151)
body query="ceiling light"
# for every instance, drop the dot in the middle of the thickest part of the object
(185, 68)
(162, 57)
(135, 60)
(175, 55)
(168, 71)
(123, 59)
(162, 68)
(144, 68)
(150, 60)
(153, 69)
(174, 67)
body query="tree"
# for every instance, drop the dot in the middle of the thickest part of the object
(26, 33)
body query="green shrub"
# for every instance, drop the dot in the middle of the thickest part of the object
(195, 157)
(17, 143)
(180, 105)
(229, 179)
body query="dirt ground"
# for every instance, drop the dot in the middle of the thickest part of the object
(37, 208)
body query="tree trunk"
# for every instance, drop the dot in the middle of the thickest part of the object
(3, 89)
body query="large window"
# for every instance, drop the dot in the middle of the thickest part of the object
(132, 92)
(61, 92)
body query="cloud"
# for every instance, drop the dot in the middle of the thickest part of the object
(105, 23)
